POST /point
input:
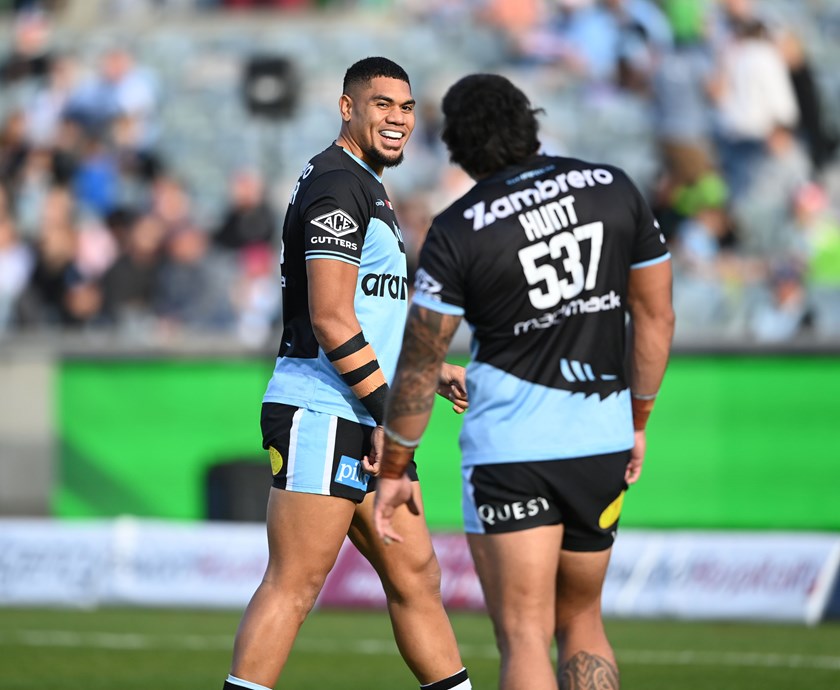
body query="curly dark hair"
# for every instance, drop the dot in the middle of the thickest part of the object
(364, 71)
(488, 124)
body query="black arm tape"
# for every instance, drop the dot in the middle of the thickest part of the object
(356, 343)
(351, 378)
(375, 403)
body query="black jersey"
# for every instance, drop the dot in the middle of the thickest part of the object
(537, 259)
(339, 210)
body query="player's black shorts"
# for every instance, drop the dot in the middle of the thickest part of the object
(318, 453)
(583, 494)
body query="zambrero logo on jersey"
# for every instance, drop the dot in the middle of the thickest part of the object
(338, 222)
(385, 285)
(483, 214)
(426, 285)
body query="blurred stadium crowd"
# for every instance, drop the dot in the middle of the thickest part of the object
(142, 191)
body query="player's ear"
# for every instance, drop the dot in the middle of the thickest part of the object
(345, 107)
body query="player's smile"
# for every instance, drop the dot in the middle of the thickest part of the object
(392, 110)
(393, 138)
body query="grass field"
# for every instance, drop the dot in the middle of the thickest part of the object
(134, 649)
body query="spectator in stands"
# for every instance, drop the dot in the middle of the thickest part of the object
(13, 148)
(248, 219)
(822, 141)
(683, 111)
(46, 107)
(97, 248)
(818, 227)
(513, 21)
(782, 313)
(96, 179)
(15, 267)
(120, 222)
(56, 270)
(30, 56)
(191, 291)
(762, 209)
(130, 283)
(604, 42)
(59, 208)
(274, 4)
(754, 95)
(580, 37)
(257, 297)
(644, 34)
(82, 302)
(171, 204)
(30, 189)
(67, 150)
(705, 272)
(137, 169)
(120, 89)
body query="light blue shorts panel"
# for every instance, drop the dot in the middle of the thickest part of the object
(311, 450)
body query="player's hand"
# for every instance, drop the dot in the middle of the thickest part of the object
(452, 385)
(637, 457)
(372, 463)
(390, 494)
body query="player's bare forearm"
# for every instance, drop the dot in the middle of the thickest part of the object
(653, 325)
(649, 300)
(650, 353)
(426, 342)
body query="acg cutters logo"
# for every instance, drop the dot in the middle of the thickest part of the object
(518, 510)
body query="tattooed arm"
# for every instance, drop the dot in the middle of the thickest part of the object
(426, 342)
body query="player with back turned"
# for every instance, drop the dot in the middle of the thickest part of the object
(344, 306)
(544, 257)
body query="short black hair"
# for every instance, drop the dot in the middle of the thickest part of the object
(364, 71)
(488, 124)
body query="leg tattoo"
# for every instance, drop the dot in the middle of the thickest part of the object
(588, 672)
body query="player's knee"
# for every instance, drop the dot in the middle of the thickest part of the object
(298, 594)
(524, 623)
(297, 605)
(521, 635)
(417, 578)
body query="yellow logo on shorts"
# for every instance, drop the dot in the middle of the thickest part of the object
(611, 512)
(276, 460)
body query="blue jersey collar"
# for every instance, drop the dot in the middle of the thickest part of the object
(362, 163)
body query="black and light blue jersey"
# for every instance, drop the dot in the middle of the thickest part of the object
(339, 210)
(537, 259)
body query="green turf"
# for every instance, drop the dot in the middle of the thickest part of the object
(128, 649)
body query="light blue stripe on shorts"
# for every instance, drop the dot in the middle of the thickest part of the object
(311, 450)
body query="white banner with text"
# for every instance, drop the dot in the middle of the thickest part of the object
(674, 574)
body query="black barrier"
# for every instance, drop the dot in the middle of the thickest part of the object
(237, 490)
